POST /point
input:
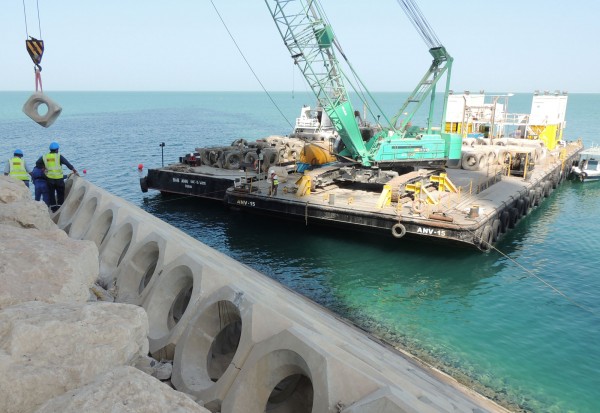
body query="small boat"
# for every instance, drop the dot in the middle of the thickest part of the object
(587, 169)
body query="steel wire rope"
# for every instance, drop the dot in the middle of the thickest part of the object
(38, 16)
(248, 63)
(546, 283)
(359, 90)
(418, 20)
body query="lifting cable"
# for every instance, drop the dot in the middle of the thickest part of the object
(249, 66)
(35, 47)
(418, 20)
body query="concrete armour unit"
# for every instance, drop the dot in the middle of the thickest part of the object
(292, 372)
(176, 296)
(239, 341)
(214, 347)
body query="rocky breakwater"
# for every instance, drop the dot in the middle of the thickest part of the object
(61, 350)
(238, 341)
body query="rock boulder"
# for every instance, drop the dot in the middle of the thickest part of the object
(123, 390)
(49, 349)
(45, 266)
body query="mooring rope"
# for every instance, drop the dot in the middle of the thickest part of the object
(546, 283)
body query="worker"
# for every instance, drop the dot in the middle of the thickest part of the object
(53, 162)
(258, 163)
(38, 176)
(274, 182)
(17, 167)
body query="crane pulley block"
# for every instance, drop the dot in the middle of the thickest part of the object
(35, 48)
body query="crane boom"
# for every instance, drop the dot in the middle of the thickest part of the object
(311, 42)
(442, 63)
(309, 39)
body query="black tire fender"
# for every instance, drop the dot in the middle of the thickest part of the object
(514, 217)
(528, 205)
(496, 229)
(398, 230)
(504, 220)
(483, 240)
(520, 206)
(144, 184)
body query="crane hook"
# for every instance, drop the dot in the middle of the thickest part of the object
(35, 48)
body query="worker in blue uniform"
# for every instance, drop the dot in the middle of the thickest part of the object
(53, 162)
(38, 176)
(17, 167)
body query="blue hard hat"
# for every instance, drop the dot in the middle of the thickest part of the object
(54, 146)
(18, 152)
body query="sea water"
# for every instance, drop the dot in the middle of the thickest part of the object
(521, 326)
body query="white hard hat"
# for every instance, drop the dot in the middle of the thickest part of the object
(272, 171)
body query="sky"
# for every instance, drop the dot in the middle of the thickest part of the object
(182, 45)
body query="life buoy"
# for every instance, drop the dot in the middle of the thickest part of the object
(398, 230)
(483, 240)
(31, 109)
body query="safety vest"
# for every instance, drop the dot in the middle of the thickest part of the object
(17, 169)
(275, 180)
(53, 166)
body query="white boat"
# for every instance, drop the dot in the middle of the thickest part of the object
(587, 168)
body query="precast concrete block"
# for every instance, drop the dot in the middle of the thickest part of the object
(82, 218)
(217, 341)
(392, 400)
(75, 190)
(297, 371)
(128, 228)
(143, 264)
(108, 215)
(174, 299)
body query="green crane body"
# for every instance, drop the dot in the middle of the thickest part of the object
(310, 40)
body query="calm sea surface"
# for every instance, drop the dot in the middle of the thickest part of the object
(484, 318)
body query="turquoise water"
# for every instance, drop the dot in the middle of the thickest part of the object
(484, 318)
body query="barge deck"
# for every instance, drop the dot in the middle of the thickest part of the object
(486, 204)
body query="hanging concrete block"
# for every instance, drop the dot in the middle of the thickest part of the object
(32, 109)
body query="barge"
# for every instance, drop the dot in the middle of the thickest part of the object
(464, 207)
(208, 172)
(509, 164)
